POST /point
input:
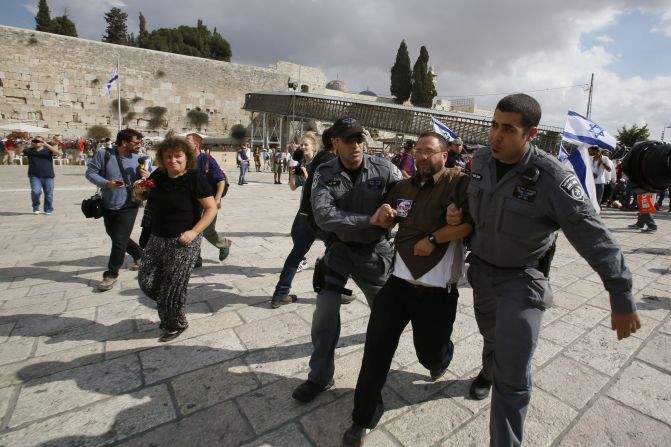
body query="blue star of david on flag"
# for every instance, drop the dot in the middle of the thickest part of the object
(581, 130)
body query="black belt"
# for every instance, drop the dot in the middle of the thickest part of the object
(436, 290)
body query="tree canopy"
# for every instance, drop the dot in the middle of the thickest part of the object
(43, 17)
(423, 88)
(401, 75)
(633, 134)
(116, 31)
(59, 25)
(196, 41)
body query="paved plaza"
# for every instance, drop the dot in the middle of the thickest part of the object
(82, 368)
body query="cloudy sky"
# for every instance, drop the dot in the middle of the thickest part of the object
(478, 48)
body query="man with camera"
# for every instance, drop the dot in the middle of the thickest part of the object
(114, 171)
(41, 173)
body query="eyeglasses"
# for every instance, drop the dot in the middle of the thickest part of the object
(425, 153)
(353, 138)
(136, 142)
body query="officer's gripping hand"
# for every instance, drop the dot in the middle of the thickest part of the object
(625, 324)
(423, 248)
(454, 215)
(384, 217)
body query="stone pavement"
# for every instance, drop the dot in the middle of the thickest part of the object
(79, 367)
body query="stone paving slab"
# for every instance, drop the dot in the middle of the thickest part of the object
(78, 367)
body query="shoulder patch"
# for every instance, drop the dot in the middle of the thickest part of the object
(571, 186)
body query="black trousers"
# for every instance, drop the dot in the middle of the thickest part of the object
(119, 226)
(431, 312)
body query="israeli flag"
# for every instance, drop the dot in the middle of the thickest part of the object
(113, 79)
(580, 163)
(442, 129)
(580, 130)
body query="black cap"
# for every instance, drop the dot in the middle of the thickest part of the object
(346, 127)
(409, 144)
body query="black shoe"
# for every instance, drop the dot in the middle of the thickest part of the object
(198, 264)
(354, 436)
(275, 303)
(307, 391)
(346, 299)
(479, 388)
(170, 335)
(437, 373)
(224, 252)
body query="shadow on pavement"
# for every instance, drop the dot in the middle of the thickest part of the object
(212, 418)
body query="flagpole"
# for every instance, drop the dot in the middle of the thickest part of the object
(118, 89)
(589, 99)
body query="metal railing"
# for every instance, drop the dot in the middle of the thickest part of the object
(473, 129)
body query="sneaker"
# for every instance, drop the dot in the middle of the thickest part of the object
(277, 302)
(224, 252)
(635, 226)
(37, 212)
(106, 284)
(302, 265)
(649, 230)
(354, 436)
(479, 388)
(49, 213)
(346, 299)
(437, 373)
(307, 391)
(170, 335)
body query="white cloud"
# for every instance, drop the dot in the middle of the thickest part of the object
(476, 47)
(605, 39)
(664, 26)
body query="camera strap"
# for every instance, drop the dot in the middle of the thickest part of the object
(126, 179)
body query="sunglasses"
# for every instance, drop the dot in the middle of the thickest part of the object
(358, 138)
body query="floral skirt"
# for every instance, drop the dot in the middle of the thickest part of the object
(164, 276)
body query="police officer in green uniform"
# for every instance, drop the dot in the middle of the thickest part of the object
(519, 197)
(346, 193)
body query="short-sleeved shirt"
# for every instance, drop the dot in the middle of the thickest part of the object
(40, 163)
(174, 202)
(407, 164)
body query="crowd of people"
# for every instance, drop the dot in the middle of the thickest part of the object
(498, 210)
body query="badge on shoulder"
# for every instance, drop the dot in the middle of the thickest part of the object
(333, 182)
(571, 186)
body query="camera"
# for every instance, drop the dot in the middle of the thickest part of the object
(648, 166)
(35, 141)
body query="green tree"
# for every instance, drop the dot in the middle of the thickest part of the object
(423, 89)
(197, 117)
(98, 132)
(157, 114)
(401, 75)
(43, 17)
(143, 31)
(117, 31)
(634, 134)
(238, 132)
(196, 41)
(64, 26)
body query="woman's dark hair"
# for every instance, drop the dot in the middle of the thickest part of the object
(174, 143)
(326, 138)
(523, 104)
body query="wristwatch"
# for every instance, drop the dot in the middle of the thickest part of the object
(432, 239)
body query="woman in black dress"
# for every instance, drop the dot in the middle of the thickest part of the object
(182, 207)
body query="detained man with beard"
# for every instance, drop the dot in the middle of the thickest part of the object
(422, 288)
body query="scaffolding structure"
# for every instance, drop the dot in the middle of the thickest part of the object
(473, 129)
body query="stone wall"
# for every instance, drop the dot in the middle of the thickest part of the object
(60, 82)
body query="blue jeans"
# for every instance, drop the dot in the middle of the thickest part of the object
(37, 185)
(243, 170)
(303, 238)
